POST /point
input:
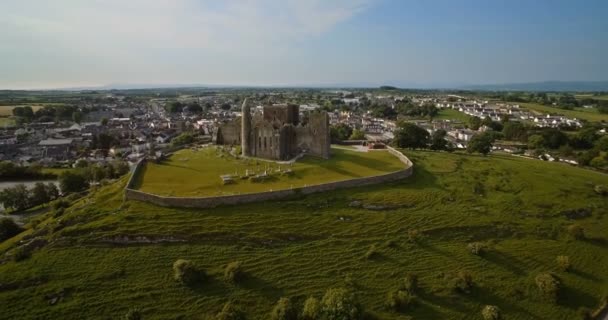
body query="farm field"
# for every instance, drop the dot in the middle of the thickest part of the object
(583, 96)
(106, 257)
(579, 113)
(204, 167)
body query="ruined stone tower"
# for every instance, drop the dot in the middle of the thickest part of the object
(245, 129)
(276, 133)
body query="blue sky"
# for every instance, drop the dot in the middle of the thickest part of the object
(67, 43)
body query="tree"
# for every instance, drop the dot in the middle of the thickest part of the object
(548, 285)
(72, 182)
(20, 197)
(133, 314)
(480, 143)
(536, 141)
(174, 107)
(194, 107)
(76, 116)
(52, 191)
(230, 312)
(340, 132)
(225, 106)
(339, 304)
(409, 135)
(357, 135)
(399, 299)
(186, 272)
(284, 310)
(563, 263)
(233, 272)
(438, 141)
(104, 122)
(474, 123)
(182, 139)
(602, 144)
(513, 130)
(311, 309)
(40, 194)
(490, 313)
(554, 138)
(8, 229)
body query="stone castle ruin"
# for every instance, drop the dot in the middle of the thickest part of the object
(277, 133)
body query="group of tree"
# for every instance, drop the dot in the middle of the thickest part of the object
(12, 171)
(585, 144)
(409, 109)
(183, 139)
(20, 197)
(103, 142)
(78, 180)
(49, 113)
(177, 107)
(342, 131)
(409, 135)
(337, 303)
(403, 108)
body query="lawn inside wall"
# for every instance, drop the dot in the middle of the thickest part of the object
(196, 173)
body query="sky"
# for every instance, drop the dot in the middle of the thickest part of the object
(407, 43)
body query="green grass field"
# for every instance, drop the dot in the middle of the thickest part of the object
(580, 113)
(6, 122)
(583, 96)
(301, 247)
(204, 167)
(451, 114)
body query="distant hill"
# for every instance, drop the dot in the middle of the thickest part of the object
(544, 86)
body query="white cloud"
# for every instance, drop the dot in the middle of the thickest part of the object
(144, 34)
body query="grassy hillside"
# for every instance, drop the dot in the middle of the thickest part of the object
(204, 167)
(301, 247)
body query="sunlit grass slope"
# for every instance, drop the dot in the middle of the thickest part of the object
(301, 247)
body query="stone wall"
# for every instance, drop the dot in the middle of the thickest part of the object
(210, 202)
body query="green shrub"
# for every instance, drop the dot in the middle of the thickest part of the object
(312, 309)
(413, 235)
(233, 272)
(133, 314)
(284, 310)
(548, 285)
(372, 252)
(186, 272)
(21, 253)
(585, 313)
(601, 190)
(8, 229)
(339, 304)
(490, 313)
(477, 248)
(462, 282)
(563, 263)
(61, 204)
(230, 312)
(399, 300)
(576, 231)
(410, 283)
